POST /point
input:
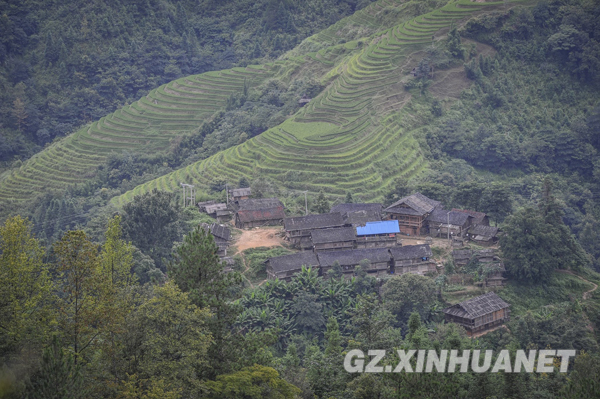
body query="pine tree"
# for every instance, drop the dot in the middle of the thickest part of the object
(58, 376)
(348, 199)
(197, 270)
(321, 204)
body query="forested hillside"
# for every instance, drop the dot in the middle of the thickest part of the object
(66, 63)
(109, 288)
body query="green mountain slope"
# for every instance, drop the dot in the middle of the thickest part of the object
(354, 136)
(66, 63)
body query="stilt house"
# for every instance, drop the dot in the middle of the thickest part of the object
(479, 314)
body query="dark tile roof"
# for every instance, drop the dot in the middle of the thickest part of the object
(478, 217)
(220, 231)
(477, 307)
(347, 208)
(360, 218)
(337, 234)
(293, 262)
(485, 231)
(313, 221)
(259, 203)
(258, 215)
(241, 192)
(215, 207)
(353, 256)
(419, 204)
(462, 254)
(441, 216)
(411, 252)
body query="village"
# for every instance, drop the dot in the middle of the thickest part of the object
(384, 242)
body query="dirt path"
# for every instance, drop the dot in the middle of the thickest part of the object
(263, 237)
(587, 294)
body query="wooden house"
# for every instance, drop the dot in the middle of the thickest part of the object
(238, 194)
(202, 205)
(221, 235)
(220, 212)
(284, 267)
(379, 260)
(440, 222)
(333, 239)
(298, 229)
(484, 235)
(479, 314)
(415, 259)
(495, 278)
(380, 234)
(479, 218)
(259, 212)
(411, 212)
(492, 264)
(345, 209)
(361, 218)
(461, 257)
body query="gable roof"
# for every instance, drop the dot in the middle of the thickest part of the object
(478, 217)
(215, 207)
(219, 231)
(257, 215)
(336, 234)
(360, 218)
(462, 254)
(411, 252)
(241, 192)
(384, 227)
(418, 205)
(352, 257)
(485, 231)
(293, 262)
(321, 221)
(259, 203)
(441, 216)
(346, 208)
(477, 307)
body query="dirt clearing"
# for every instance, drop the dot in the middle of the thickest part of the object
(261, 237)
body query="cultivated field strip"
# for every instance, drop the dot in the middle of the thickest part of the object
(352, 137)
(147, 125)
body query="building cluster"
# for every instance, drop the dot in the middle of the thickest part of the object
(247, 212)
(367, 235)
(351, 233)
(377, 261)
(418, 215)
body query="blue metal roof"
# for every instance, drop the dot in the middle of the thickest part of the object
(385, 227)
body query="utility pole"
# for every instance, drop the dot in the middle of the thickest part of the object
(183, 186)
(192, 194)
(305, 204)
(448, 226)
(226, 194)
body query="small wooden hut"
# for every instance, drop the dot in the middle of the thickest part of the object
(479, 314)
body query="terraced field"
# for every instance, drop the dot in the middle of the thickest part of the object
(144, 126)
(355, 136)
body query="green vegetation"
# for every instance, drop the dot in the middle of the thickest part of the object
(63, 65)
(478, 105)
